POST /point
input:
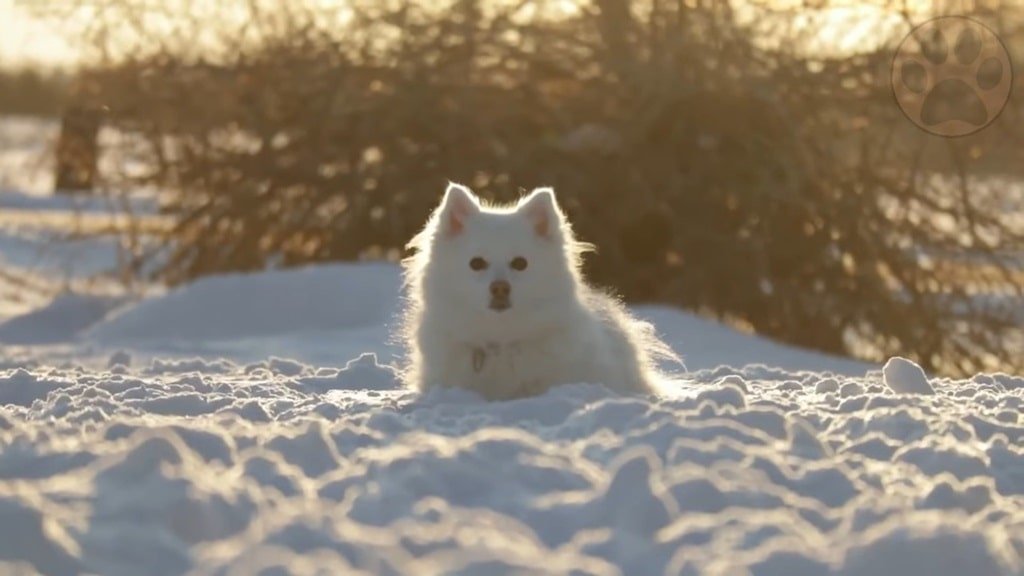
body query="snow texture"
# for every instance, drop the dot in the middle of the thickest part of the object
(220, 468)
(278, 302)
(176, 453)
(903, 376)
(65, 315)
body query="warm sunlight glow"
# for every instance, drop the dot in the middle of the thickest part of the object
(46, 32)
(29, 39)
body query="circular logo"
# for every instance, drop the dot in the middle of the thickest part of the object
(951, 76)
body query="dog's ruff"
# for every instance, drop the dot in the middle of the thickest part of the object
(556, 329)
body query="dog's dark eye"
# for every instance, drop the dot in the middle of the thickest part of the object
(518, 263)
(477, 263)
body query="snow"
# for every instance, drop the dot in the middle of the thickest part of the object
(65, 315)
(217, 469)
(272, 303)
(326, 315)
(54, 244)
(36, 264)
(706, 344)
(176, 453)
(903, 376)
(26, 164)
(256, 424)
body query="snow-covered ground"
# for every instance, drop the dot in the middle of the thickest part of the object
(250, 422)
(255, 424)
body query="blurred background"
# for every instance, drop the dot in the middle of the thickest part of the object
(744, 159)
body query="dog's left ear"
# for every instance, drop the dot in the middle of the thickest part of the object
(541, 209)
(458, 205)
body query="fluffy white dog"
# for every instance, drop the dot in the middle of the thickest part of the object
(497, 305)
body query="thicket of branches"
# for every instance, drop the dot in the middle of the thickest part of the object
(27, 92)
(745, 179)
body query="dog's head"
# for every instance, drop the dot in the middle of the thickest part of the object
(502, 264)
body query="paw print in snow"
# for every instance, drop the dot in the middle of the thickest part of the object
(952, 76)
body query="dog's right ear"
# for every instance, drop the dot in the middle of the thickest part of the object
(459, 204)
(541, 209)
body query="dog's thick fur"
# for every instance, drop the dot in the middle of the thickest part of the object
(551, 329)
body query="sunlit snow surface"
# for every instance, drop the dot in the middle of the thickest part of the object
(210, 467)
(175, 436)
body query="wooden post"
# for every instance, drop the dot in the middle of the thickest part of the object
(78, 150)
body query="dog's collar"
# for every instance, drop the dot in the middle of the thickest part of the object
(482, 351)
(479, 358)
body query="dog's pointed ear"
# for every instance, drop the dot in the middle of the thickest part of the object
(541, 209)
(459, 204)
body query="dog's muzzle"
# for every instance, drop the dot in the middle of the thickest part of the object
(501, 295)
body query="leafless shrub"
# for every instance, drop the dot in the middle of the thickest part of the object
(748, 180)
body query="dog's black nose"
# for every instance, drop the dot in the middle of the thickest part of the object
(500, 289)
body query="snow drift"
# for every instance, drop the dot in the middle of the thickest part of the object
(328, 314)
(198, 447)
(230, 469)
(265, 304)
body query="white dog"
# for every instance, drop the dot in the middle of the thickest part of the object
(497, 305)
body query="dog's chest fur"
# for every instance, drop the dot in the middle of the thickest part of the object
(512, 369)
